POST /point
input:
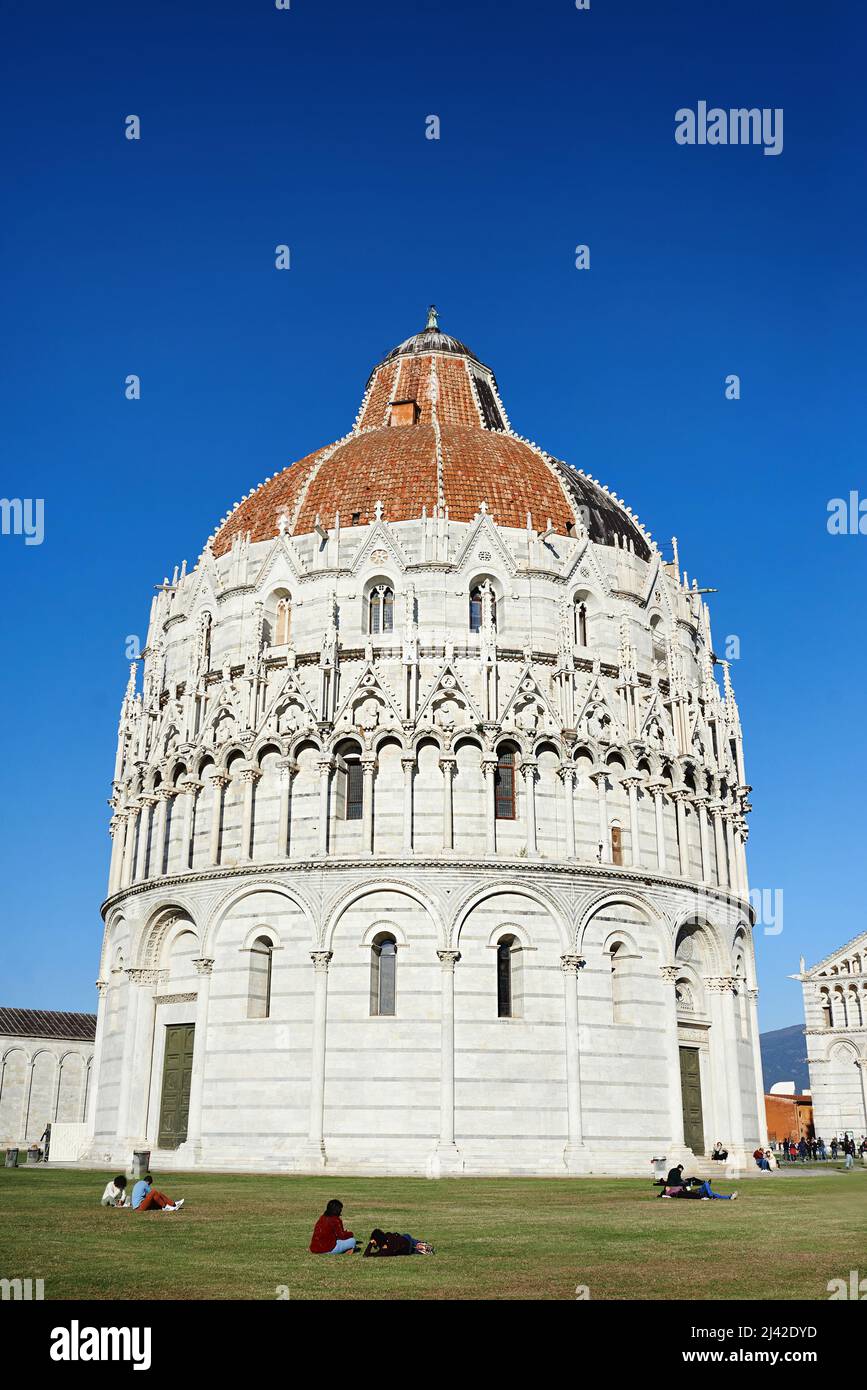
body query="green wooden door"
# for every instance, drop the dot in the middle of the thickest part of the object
(177, 1074)
(690, 1090)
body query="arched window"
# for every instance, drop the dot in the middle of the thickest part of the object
(504, 785)
(354, 790)
(283, 622)
(658, 641)
(580, 622)
(259, 993)
(619, 1009)
(509, 981)
(383, 976)
(616, 844)
(684, 997)
(479, 594)
(827, 1021)
(381, 609)
(476, 609)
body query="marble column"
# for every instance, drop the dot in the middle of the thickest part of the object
(287, 768)
(862, 1066)
(25, 1102)
(657, 788)
(141, 866)
(408, 765)
(600, 777)
(163, 796)
(680, 797)
(204, 966)
(723, 989)
(743, 832)
(489, 767)
(368, 769)
(248, 776)
(632, 784)
(755, 1043)
(190, 789)
(700, 803)
(448, 766)
(727, 819)
(672, 1059)
(314, 1150)
(573, 1154)
(116, 830)
(326, 766)
(219, 782)
(90, 1118)
(131, 818)
(138, 1036)
(715, 809)
(567, 774)
(447, 1150)
(528, 769)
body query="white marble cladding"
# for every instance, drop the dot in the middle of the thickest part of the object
(42, 1079)
(322, 752)
(835, 1010)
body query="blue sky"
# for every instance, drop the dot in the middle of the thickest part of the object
(307, 127)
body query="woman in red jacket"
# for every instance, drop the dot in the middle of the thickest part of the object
(329, 1234)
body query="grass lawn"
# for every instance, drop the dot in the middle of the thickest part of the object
(239, 1237)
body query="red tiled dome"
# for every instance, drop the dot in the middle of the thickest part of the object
(431, 432)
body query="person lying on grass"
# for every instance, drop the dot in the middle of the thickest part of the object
(115, 1194)
(146, 1198)
(699, 1191)
(390, 1243)
(330, 1236)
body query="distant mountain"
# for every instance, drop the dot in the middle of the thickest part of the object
(784, 1057)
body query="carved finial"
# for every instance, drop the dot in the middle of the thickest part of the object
(432, 317)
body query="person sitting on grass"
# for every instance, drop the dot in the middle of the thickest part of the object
(115, 1194)
(330, 1237)
(146, 1198)
(391, 1243)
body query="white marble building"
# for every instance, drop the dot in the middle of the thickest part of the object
(428, 823)
(835, 1009)
(45, 1067)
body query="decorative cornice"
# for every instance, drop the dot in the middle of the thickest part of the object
(617, 876)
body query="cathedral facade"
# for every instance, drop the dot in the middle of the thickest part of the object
(428, 823)
(835, 1010)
